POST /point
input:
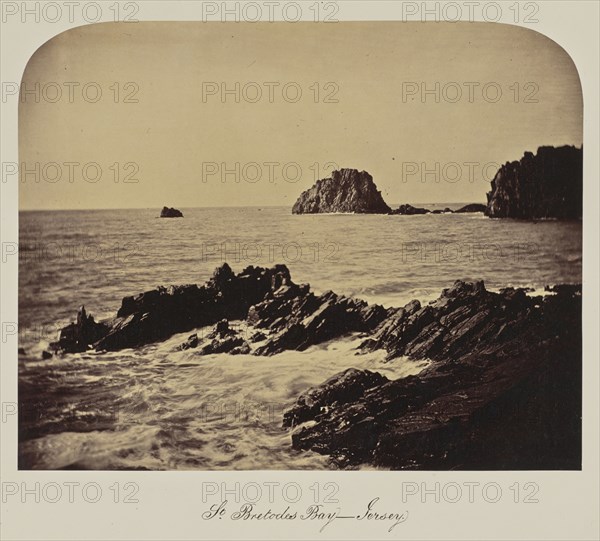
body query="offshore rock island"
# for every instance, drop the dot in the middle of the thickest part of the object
(548, 184)
(347, 190)
(169, 212)
(500, 389)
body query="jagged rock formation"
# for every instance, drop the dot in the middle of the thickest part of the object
(80, 335)
(286, 315)
(222, 339)
(297, 319)
(167, 212)
(548, 184)
(502, 389)
(160, 313)
(347, 190)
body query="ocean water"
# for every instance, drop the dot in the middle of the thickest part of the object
(159, 408)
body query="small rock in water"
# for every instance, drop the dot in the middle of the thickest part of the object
(167, 212)
(191, 342)
(472, 207)
(409, 210)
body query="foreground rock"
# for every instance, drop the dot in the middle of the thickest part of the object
(502, 387)
(347, 190)
(548, 184)
(295, 318)
(504, 391)
(466, 318)
(343, 388)
(160, 313)
(80, 335)
(167, 212)
(286, 316)
(222, 339)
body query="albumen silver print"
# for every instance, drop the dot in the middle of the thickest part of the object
(282, 253)
(413, 306)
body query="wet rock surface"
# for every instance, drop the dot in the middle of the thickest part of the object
(295, 318)
(502, 389)
(503, 392)
(80, 335)
(347, 190)
(222, 339)
(156, 315)
(548, 184)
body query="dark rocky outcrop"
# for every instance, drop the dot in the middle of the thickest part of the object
(286, 315)
(167, 212)
(160, 313)
(472, 207)
(347, 386)
(80, 335)
(295, 318)
(347, 190)
(409, 210)
(503, 392)
(548, 184)
(465, 318)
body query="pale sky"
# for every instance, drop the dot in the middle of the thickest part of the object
(171, 132)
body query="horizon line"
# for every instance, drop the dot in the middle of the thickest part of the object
(226, 206)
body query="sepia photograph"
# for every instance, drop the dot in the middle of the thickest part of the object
(268, 246)
(299, 270)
